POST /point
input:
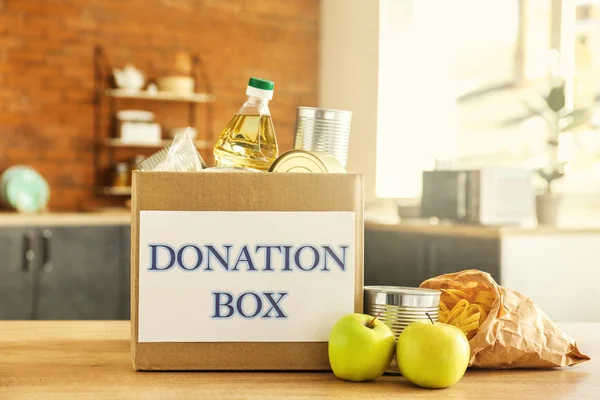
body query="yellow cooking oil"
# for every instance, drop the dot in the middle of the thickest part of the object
(248, 140)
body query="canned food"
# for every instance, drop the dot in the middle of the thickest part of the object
(319, 129)
(307, 162)
(399, 306)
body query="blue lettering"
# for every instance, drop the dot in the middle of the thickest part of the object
(198, 257)
(268, 255)
(219, 305)
(226, 307)
(222, 260)
(247, 259)
(341, 262)
(275, 305)
(286, 258)
(154, 257)
(240, 308)
(316, 257)
(304, 257)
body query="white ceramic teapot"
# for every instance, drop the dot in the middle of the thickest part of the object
(129, 78)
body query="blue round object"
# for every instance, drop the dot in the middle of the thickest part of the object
(24, 189)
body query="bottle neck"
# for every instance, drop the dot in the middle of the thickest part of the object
(257, 104)
(257, 101)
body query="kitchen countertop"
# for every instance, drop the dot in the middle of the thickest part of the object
(84, 218)
(374, 221)
(92, 359)
(425, 226)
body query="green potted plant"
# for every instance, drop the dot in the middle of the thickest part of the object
(559, 121)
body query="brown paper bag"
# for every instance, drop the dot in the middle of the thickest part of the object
(516, 333)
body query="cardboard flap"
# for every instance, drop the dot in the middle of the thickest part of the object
(244, 191)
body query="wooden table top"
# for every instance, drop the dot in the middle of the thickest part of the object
(91, 359)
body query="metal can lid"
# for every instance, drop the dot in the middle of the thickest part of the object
(325, 114)
(307, 162)
(402, 296)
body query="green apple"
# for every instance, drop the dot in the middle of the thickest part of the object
(432, 355)
(361, 347)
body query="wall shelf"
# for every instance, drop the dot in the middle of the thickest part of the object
(107, 147)
(160, 96)
(116, 142)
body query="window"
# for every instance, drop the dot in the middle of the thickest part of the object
(458, 82)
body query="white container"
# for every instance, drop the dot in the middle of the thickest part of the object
(140, 133)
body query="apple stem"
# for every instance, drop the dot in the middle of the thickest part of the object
(371, 324)
(429, 316)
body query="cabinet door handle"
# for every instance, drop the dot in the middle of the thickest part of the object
(46, 265)
(29, 253)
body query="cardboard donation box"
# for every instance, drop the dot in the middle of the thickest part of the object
(242, 271)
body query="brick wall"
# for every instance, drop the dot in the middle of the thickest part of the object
(47, 72)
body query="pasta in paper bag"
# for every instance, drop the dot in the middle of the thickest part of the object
(504, 327)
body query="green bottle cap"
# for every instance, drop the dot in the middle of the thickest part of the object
(259, 83)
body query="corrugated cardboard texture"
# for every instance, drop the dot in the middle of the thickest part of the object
(203, 191)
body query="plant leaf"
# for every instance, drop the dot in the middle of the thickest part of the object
(556, 98)
(578, 117)
(550, 176)
(537, 112)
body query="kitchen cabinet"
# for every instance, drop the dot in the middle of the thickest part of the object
(125, 271)
(79, 273)
(16, 275)
(64, 272)
(538, 261)
(394, 258)
(407, 258)
(446, 254)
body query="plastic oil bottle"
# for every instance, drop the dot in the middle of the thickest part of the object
(249, 141)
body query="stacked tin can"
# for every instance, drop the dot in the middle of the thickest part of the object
(323, 130)
(399, 306)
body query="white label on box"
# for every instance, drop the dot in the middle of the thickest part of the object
(220, 276)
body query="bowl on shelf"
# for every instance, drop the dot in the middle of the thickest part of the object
(178, 84)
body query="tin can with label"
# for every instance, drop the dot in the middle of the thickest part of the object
(399, 306)
(319, 129)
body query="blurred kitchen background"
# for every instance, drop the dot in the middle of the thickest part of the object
(496, 99)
